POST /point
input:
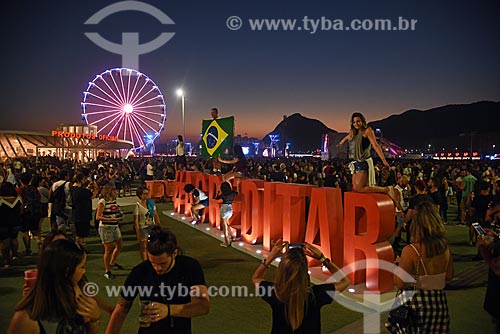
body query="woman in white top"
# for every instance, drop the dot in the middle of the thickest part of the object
(145, 216)
(428, 259)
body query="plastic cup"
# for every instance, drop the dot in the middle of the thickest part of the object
(144, 320)
(30, 277)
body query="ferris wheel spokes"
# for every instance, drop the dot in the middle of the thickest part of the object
(142, 121)
(128, 87)
(122, 98)
(104, 119)
(114, 126)
(135, 86)
(115, 99)
(147, 107)
(105, 111)
(123, 89)
(143, 102)
(139, 97)
(134, 98)
(145, 117)
(103, 99)
(130, 108)
(138, 136)
(118, 100)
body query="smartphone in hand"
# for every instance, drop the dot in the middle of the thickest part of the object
(479, 229)
(296, 245)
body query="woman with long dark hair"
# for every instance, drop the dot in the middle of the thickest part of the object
(295, 302)
(56, 304)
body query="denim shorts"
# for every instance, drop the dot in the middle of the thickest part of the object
(360, 167)
(145, 232)
(109, 233)
(64, 220)
(400, 220)
(226, 211)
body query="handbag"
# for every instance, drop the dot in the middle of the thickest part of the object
(404, 314)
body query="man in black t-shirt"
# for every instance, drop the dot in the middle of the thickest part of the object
(174, 283)
(434, 193)
(481, 203)
(478, 208)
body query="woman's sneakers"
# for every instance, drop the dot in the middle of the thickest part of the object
(116, 266)
(227, 244)
(109, 275)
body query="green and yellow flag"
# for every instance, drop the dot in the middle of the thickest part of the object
(217, 137)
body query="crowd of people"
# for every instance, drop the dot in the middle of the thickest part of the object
(422, 190)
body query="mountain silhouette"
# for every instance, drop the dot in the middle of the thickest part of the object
(303, 134)
(465, 127)
(452, 126)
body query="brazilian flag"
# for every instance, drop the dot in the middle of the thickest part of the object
(217, 137)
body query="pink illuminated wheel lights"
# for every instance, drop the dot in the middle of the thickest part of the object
(127, 104)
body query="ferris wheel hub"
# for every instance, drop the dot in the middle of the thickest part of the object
(128, 108)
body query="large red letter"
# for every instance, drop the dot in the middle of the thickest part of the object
(325, 227)
(214, 182)
(273, 215)
(293, 197)
(368, 224)
(252, 210)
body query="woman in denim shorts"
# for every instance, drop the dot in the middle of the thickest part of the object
(109, 215)
(361, 139)
(226, 211)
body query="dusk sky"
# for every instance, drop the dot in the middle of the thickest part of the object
(451, 57)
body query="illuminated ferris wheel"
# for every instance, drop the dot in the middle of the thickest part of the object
(125, 103)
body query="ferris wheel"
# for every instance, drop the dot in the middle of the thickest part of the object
(125, 103)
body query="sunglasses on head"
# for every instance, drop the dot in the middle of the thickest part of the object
(158, 236)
